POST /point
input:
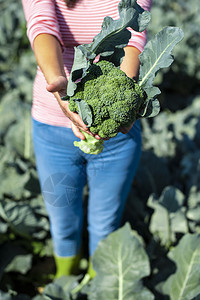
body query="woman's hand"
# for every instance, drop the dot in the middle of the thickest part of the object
(76, 122)
(58, 87)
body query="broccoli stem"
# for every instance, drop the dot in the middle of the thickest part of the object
(90, 145)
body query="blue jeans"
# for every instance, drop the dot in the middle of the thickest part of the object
(64, 170)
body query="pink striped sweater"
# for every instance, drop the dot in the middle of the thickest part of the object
(72, 27)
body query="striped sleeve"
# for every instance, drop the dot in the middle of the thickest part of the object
(41, 18)
(138, 39)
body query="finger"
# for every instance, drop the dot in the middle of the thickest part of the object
(73, 116)
(124, 130)
(97, 137)
(78, 121)
(77, 132)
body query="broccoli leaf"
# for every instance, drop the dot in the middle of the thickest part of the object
(151, 109)
(157, 55)
(112, 36)
(84, 111)
(80, 63)
(151, 106)
(184, 283)
(114, 33)
(61, 288)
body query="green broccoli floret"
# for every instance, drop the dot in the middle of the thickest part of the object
(95, 129)
(105, 66)
(122, 113)
(113, 97)
(78, 95)
(73, 105)
(139, 91)
(100, 113)
(109, 128)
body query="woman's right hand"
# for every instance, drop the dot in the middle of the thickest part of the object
(58, 87)
(77, 123)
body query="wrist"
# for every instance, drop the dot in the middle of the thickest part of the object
(58, 86)
(56, 77)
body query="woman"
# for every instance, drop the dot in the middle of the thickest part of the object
(54, 28)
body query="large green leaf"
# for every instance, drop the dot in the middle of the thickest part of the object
(114, 33)
(18, 137)
(3, 228)
(39, 297)
(193, 206)
(168, 217)
(10, 256)
(10, 110)
(184, 284)
(151, 109)
(20, 263)
(120, 262)
(80, 63)
(14, 296)
(5, 296)
(61, 288)
(13, 183)
(22, 220)
(157, 55)
(17, 179)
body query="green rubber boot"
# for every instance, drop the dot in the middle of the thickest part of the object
(66, 265)
(90, 269)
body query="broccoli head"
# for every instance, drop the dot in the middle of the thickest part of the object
(113, 97)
